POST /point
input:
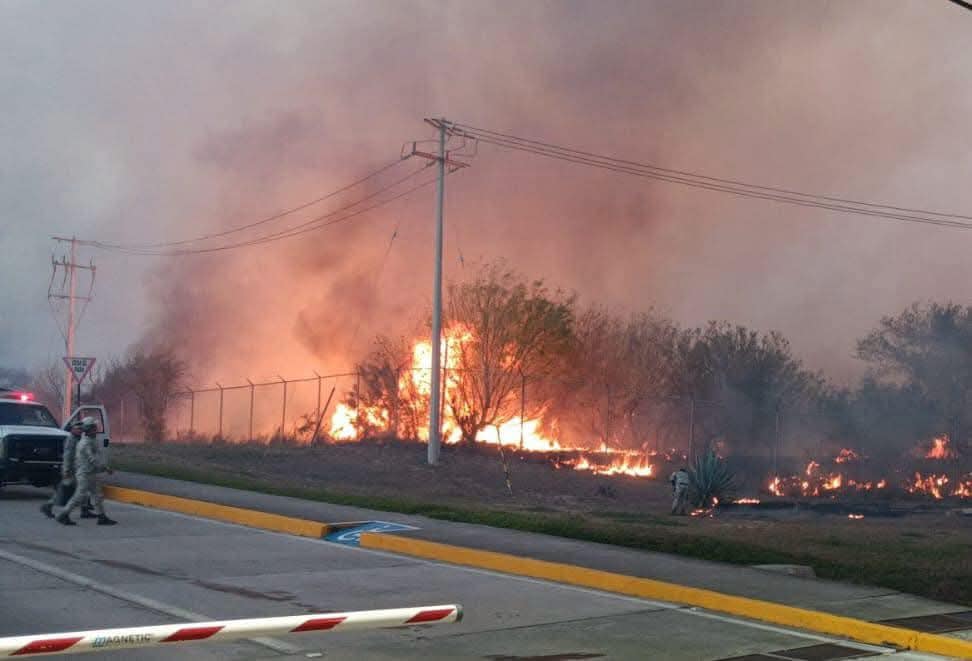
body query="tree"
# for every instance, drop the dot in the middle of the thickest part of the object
(616, 366)
(929, 348)
(13, 377)
(47, 385)
(390, 381)
(752, 376)
(503, 329)
(153, 376)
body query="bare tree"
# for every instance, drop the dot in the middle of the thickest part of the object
(48, 386)
(153, 376)
(502, 328)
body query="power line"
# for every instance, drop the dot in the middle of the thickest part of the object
(308, 226)
(569, 151)
(711, 183)
(165, 244)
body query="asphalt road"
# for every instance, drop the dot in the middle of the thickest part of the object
(159, 567)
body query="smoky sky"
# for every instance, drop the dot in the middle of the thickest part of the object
(139, 121)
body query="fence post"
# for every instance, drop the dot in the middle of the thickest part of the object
(283, 414)
(192, 412)
(318, 394)
(220, 424)
(522, 405)
(357, 401)
(692, 430)
(778, 440)
(250, 426)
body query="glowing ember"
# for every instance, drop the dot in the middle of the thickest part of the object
(940, 449)
(747, 501)
(855, 516)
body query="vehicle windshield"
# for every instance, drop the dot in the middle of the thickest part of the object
(26, 414)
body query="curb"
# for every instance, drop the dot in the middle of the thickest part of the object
(753, 609)
(251, 518)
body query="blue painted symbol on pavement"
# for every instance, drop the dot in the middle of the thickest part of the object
(352, 536)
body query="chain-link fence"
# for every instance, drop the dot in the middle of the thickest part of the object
(514, 409)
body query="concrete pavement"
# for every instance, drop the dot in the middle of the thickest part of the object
(158, 567)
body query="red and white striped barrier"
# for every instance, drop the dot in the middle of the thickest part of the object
(114, 639)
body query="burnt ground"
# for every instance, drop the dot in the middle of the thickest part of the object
(902, 542)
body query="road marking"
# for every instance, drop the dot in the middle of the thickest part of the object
(137, 599)
(657, 605)
(351, 536)
(780, 614)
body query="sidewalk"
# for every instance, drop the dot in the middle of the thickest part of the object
(861, 602)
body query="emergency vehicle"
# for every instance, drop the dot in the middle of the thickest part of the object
(32, 442)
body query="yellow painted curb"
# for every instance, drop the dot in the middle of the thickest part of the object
(755, 609)
(251, 518)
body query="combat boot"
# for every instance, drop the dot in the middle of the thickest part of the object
(64, 519)
(86, 513)
(105, 521)
(48, 510)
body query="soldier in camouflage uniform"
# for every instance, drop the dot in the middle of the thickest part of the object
(67, 468)
(91, 462)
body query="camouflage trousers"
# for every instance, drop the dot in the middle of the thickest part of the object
(89, 486)
(680, 501)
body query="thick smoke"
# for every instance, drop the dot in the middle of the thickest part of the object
(208, 119)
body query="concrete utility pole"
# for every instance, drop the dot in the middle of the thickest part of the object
(70, 267)
(435, 407)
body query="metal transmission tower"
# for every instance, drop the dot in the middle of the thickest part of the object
(67, 290)
(441, 159)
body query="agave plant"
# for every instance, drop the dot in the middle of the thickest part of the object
(711, 481)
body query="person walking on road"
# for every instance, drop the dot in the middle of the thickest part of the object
(67, 469)
(680, 489)
(90, 462)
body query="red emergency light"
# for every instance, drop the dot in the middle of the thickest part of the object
(21, 396)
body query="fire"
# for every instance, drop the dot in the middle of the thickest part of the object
(349, 423)
(622, 462)
(855, 516)
(747, 501)
(846, 455)
(510, 433)
(833, 482)
(933, 485)
(940, 449)
(345, 423)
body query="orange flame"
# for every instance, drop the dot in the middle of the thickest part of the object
(846, 455)
(940, 449)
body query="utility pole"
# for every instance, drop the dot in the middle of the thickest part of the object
(435, 409)
(70, 267)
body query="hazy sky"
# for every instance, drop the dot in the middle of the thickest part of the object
(146, 121)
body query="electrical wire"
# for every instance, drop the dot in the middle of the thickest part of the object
(712, 183)
(719, 180)
(308, 226)
(165, 244)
